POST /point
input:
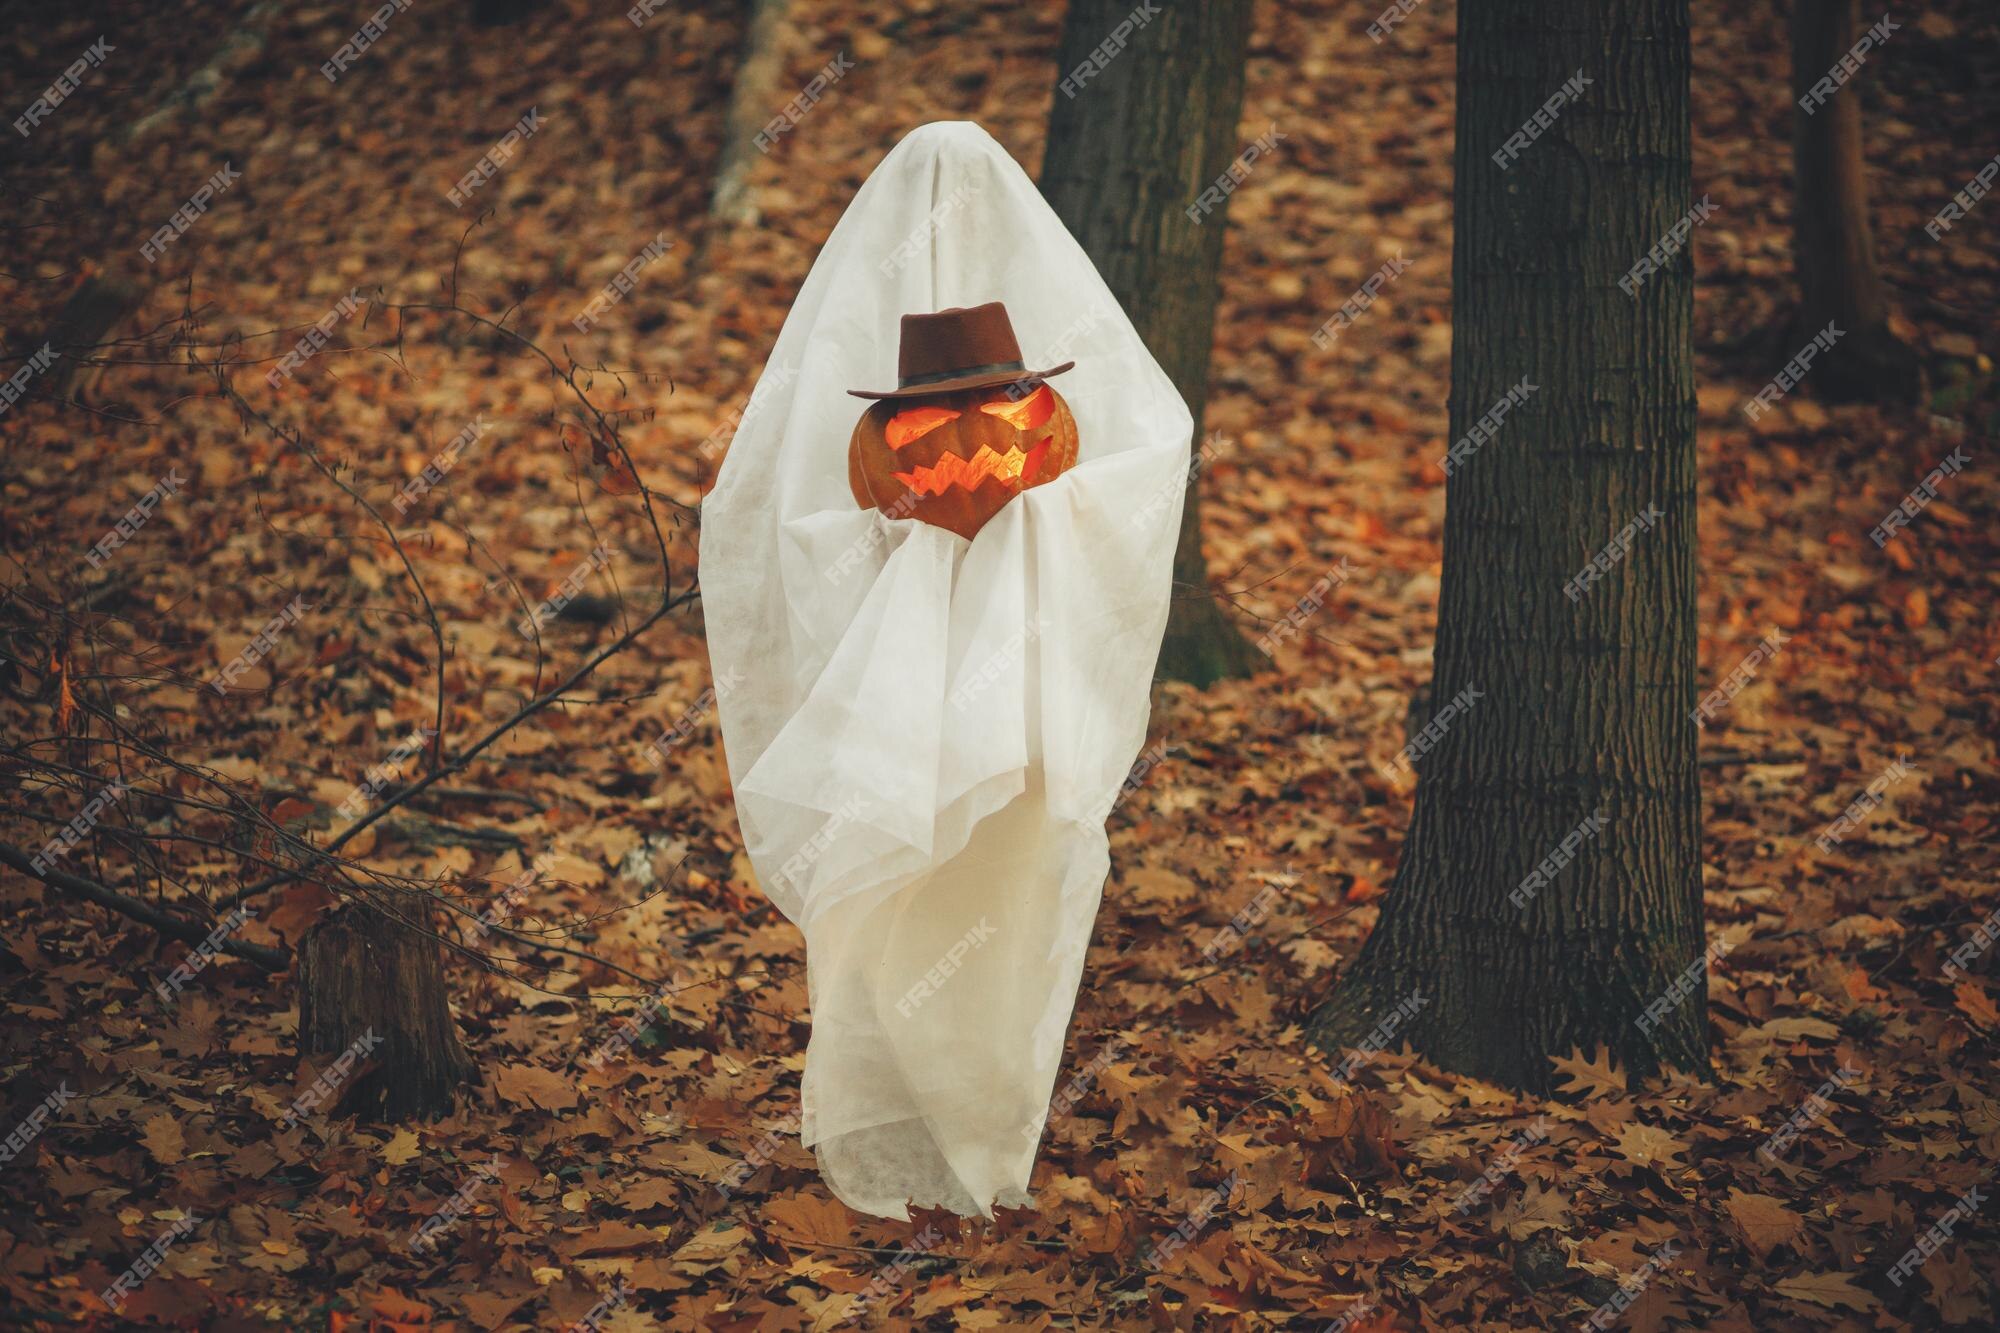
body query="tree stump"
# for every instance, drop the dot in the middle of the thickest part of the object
(361, 971)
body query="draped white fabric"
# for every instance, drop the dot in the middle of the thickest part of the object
(925, 734)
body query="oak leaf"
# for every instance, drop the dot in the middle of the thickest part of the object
(1538, 1208)
(400, 1147)
(1649, 1145)
(1593, 1077)
(1764, 1220)
(1832, 1290)
(531, 1085)
(1976, 1004)
(162, 1137)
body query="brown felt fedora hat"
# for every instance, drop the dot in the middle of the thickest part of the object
(965, 347)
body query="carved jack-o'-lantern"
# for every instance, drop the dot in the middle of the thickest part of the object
(967, 429)
(954, 459)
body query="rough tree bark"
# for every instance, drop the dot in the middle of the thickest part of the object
(1131, 145)
(1576, 705)
(361, 971)
(1833, 248)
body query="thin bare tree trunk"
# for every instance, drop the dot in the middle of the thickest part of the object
(751, 99)
(1833, 245)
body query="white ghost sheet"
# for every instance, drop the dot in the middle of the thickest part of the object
(926, 734)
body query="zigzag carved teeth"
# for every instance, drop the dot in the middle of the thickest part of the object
(969, 473)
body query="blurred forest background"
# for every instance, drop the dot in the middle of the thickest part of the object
(403, 613)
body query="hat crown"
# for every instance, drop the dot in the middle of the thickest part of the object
(965, 347)
(959, 341)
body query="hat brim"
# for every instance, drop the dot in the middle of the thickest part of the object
(967, 382)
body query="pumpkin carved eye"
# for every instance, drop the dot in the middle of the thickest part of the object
(911, 426)
(1025, 414)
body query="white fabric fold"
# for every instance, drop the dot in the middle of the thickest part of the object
(925, 734)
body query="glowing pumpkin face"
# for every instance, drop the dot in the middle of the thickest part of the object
(953, 459)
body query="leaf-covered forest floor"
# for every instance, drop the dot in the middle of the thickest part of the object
(1271, 800)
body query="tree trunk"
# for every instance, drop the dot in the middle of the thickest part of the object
(1131, 147)
(1548, 709)
(362, 972)
(753, 98)
(1832, 245)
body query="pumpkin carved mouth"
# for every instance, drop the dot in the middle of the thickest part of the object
(1015, 468)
